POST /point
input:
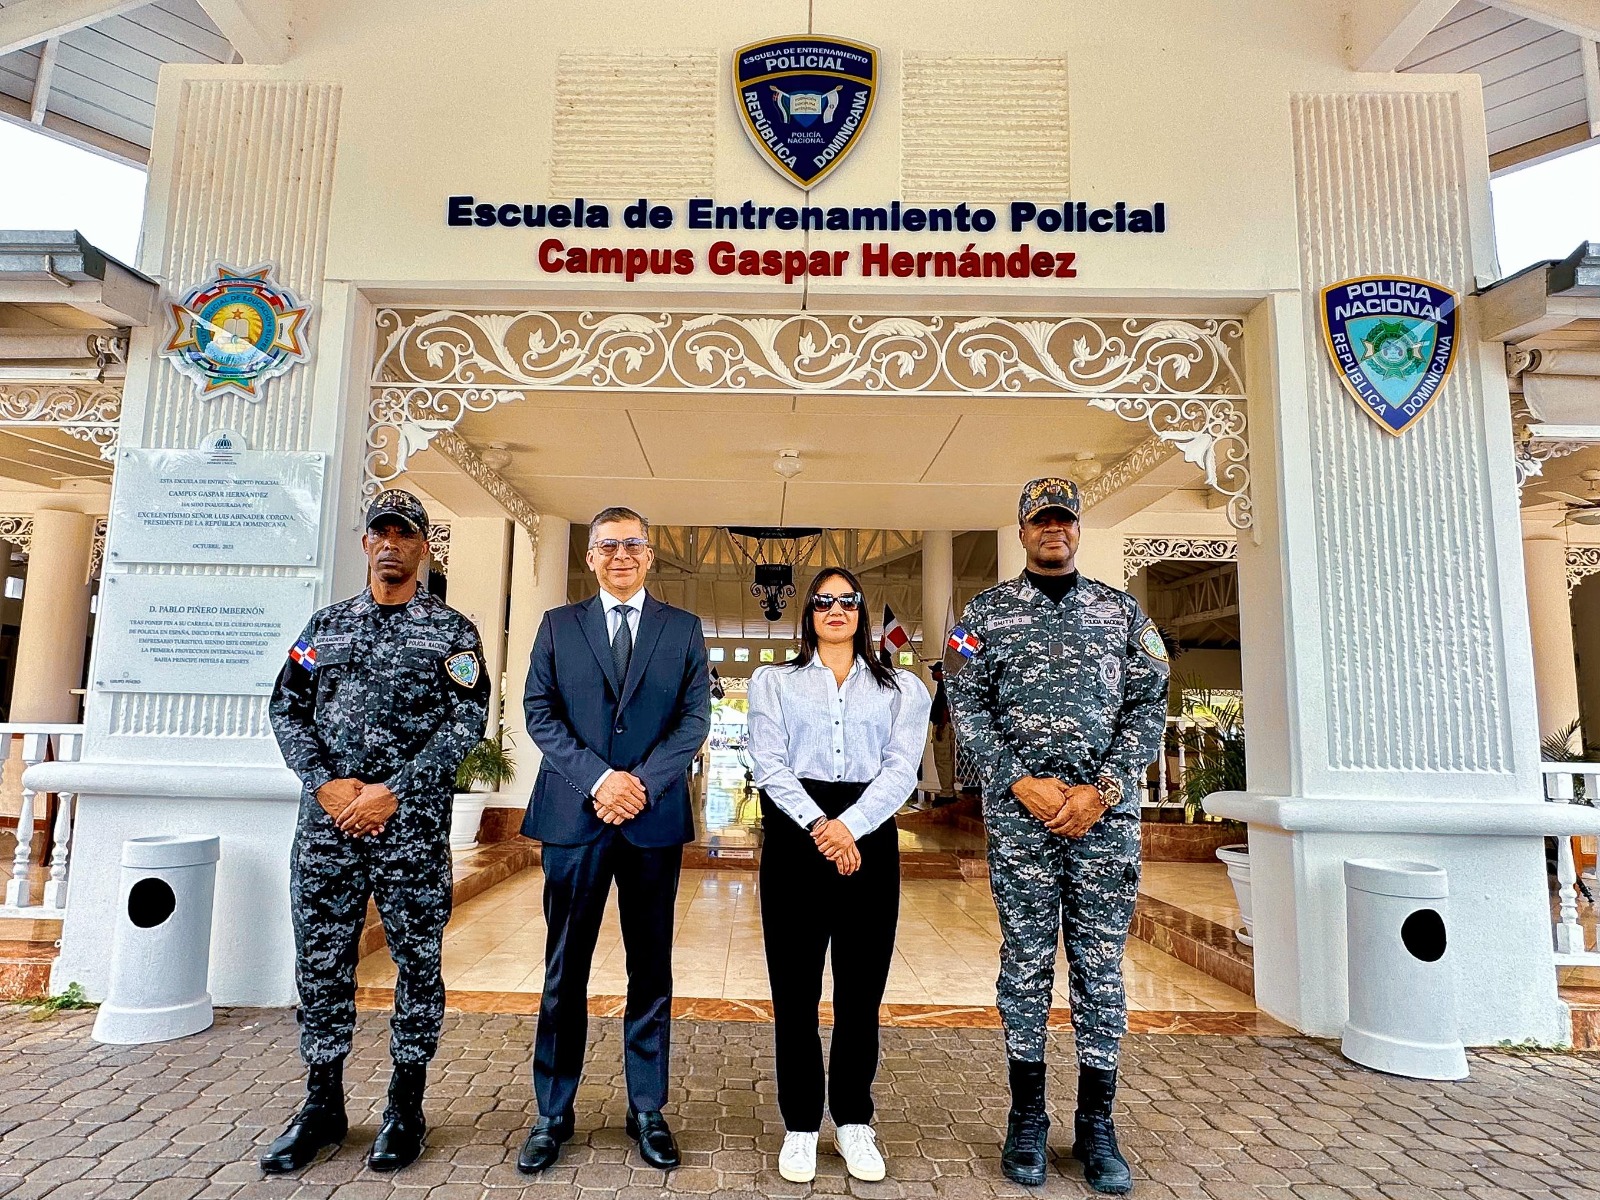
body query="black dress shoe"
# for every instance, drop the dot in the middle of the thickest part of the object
(319, 1124)
(656, 1146)
(399, 1141)
(543, 1145)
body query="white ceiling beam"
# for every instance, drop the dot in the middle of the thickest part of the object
(258, 29)
(29, 22)
(1581, 17)
(41, 81)
(1379, 34)
(1591, 83)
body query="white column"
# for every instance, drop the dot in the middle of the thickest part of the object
(1555, 669)
(938, 593)
(55, 618)
(174, 761)
(938, 589)
(538, 584)
(1012, 557)
(480, 568)
(1387, 672)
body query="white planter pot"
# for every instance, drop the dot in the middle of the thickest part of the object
(1237, 859)
(465, 813)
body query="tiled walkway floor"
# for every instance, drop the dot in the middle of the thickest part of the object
(946, 953)
(1201, 1118)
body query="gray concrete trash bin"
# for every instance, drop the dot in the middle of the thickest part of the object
(1401, 974)
(161, 947)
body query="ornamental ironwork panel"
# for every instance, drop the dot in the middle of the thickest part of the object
(1139, 552)
(88, 413)
(1582, 562)
(1180, 378)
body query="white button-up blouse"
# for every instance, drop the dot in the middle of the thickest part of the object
(803, 725)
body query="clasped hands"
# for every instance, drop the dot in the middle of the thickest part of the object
(620, 798)
(356, 808)
(1068, 810)
(838, 845)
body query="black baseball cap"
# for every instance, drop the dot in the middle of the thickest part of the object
(1049, 492)
(395, 505)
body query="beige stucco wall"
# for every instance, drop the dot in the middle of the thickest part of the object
(1184, 104)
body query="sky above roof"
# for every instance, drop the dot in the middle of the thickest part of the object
(1541, 211)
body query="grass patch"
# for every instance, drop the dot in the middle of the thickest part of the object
(46, 1006)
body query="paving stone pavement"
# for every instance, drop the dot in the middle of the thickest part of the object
(1223, 1118)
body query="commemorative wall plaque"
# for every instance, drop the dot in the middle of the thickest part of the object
(218, 505)
(209, 634)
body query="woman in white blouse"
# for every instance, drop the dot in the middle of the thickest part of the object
(836, 737)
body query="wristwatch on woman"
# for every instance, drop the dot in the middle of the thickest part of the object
(1110, 789)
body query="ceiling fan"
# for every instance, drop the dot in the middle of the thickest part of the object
(1581, 510)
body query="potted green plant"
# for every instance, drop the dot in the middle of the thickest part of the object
(1214, 752)
(487, 768)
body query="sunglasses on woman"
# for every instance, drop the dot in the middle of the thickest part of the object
(849, 601)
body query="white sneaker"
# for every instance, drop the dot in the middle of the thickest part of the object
(858, 1145)
(797, 1161)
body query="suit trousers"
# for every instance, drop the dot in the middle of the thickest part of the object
(807, 907)
(577, 883)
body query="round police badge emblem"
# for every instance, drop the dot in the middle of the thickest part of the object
(236, 332)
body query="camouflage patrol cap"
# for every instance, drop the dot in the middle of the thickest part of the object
(1049, 492)
(399, 506)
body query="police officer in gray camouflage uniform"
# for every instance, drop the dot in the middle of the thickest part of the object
(381, 699)
(1062, 704)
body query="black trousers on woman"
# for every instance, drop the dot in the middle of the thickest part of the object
(806, 907)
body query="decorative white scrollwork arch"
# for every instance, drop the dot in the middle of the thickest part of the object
(1139, 552)
(1181, 379)
(89, 413)
(1582, 562)
(439, 547)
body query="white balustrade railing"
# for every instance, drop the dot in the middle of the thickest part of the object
(1562, 781)
(40, 742)
(1167, 784)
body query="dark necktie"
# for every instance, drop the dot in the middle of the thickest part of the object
(622, 645)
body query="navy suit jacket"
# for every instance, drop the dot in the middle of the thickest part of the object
(585, 720)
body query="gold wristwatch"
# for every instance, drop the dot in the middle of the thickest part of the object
(1110, 789)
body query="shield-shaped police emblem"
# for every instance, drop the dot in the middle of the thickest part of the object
(805, 101)
(1393, 342)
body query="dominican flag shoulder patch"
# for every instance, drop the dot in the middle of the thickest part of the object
(964, 643)
(304, 653)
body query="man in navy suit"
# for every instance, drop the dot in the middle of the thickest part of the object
(619, 703)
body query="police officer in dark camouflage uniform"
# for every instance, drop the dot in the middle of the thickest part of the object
(1062, 703)
(381, 699)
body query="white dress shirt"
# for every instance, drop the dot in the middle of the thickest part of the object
(617, 611)
(804, 725)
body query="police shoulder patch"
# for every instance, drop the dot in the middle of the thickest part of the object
(463, 668)
(1152, 643)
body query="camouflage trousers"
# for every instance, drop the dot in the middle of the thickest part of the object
(330, 878)
(1081, 891)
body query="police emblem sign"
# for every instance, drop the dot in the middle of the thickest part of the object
(805, 101)
(237, 331)
(1393, 342)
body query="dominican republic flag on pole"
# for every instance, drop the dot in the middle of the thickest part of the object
(895, 638)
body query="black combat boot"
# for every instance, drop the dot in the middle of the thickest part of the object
(1095, 1137)
(1025, 1158)
(399, 1140)
(320, 1123)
